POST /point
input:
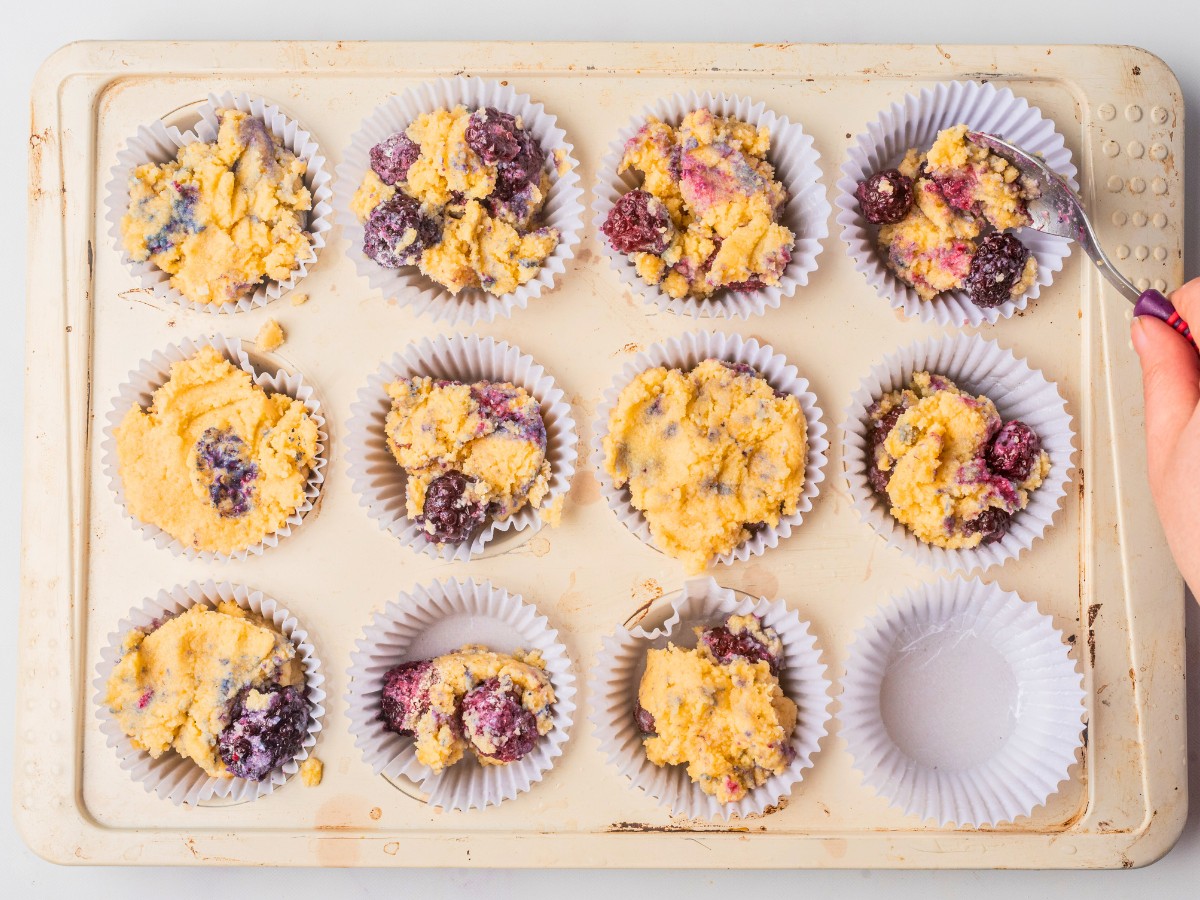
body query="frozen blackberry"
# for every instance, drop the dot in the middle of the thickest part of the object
(996, 269)
(398, 232)
(992, 523)
(224, 467)
(493, 135)
(516, 174)
(406, 695)
(886, 197)
(643, 719)
(1014, 451)
(638, 223)
(392, 157)
(449, 515)
(496, 724)
(725, 646)
(266, 728)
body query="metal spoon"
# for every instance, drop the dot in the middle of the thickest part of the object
(1056, 210)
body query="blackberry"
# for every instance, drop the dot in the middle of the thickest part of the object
(406, 695)
(450, 515)
(996, 269)
(638, 223)
(1014, 451)
(392, 157)
(261, 737)
(496, 724)
(885, 197)
(398, 232)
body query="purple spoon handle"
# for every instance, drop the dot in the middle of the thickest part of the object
(1152, 303)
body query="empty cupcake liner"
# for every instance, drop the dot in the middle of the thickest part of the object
(440, 618)
(685, 352)
(618, 673)
(563, 209)
(961, 704)
(160, 143)
(977, 367)
(915, 122)
(381, 483)
(796, 164)
(152, 374)
(171, 776)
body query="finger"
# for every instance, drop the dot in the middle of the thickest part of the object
(1187, 300)
(1170, 381)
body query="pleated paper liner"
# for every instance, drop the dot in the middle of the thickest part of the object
(563, 209)
(159, 143)
(797, 167)
(685, 352)
(152, 374)
(961, 704)
(618, 673)
(171, 776)
(1019, 392)
(914, 123)
(379, 481)
(439, 618)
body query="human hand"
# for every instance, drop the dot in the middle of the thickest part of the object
(1171, 383)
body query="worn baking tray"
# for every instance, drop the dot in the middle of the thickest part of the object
(1102, 572)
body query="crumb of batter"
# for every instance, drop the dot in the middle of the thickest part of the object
(209, 683)
(470, 451)
(298, 299)
(957, 190)
(496, 705)
(312, 770)
(221, 218)
(709, 456)
(706, 217)
(216, 462)
(552, 512)
(719, 708)
(270, 337)
(952, 471)
(457, 194)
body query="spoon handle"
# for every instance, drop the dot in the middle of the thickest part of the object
(1152, 303)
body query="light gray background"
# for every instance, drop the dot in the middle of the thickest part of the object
(1166, 27)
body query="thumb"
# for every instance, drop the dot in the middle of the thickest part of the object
(1170, 381)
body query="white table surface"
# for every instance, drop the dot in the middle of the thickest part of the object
(1165, 27)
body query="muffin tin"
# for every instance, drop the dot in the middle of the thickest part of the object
(89, 324)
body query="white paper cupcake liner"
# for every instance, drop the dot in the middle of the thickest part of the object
(961, 704)
(977, 367)
(433, 620)
(915, 122)
(159, 143)
(618, 674)
(563, 209)
(171, 776)
(686, 352)
(796, 166)
(379, 481)
(152, 374)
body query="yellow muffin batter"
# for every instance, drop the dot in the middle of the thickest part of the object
(938, 479)
(431, 704)
(222, 217)
(727, 720)
(957, 187)
(481, 237)
(312, 770)
(216, 462)
(723, 201)
(706, 454)
(173, 687)
(492, 434)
